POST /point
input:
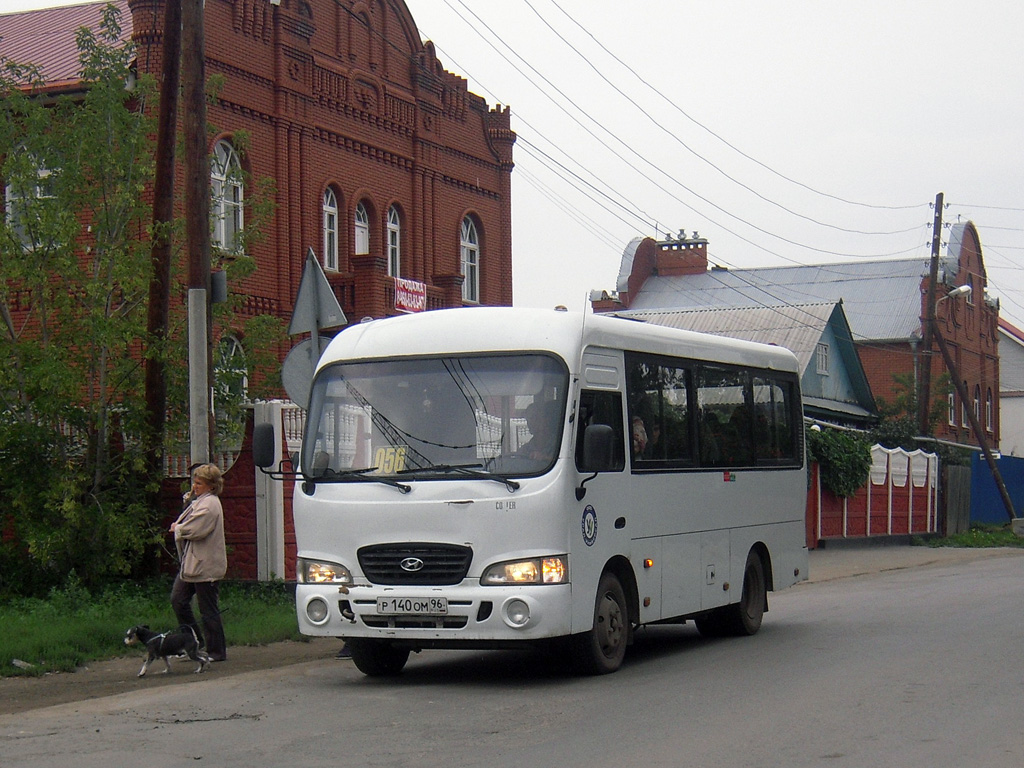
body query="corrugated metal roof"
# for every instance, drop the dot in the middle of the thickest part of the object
(798, 328)
(46, 37)
(882, 299)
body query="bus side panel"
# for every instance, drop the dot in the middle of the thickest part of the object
(681, 574)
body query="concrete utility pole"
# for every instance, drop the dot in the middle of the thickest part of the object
(163, 215)
(924, 390)
(197, 231)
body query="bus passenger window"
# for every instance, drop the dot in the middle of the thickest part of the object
(601, 408)
(658, 394)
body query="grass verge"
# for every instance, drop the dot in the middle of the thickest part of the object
(980, 535)
(73, 626)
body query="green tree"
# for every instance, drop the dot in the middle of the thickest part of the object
(74, 272)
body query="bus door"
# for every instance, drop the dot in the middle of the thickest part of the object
(598, 530)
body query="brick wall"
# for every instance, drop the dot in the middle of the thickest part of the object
(321, 93)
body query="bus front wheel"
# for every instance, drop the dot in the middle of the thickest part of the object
(602, 649)
(376, 658)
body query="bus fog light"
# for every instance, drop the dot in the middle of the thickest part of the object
(517, 613)
(317, 610)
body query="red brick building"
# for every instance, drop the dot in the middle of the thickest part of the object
(884, 302)
(383, 162)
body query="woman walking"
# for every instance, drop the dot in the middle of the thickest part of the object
(199, 538)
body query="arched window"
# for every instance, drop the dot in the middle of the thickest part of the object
(989, 411)
(470, 247)
(951, 408)
(230, 393)
(362, 230)
(330, 255)
(977, 401)
(394, 243)
(228, 197)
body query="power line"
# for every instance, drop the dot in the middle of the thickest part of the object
(701, 125)
(653, 165)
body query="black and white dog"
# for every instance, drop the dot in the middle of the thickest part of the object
(180, 642)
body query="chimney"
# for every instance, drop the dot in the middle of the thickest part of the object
(682, 255)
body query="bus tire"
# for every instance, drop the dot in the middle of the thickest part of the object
(602, 649)
(744, 618)
(377, 658)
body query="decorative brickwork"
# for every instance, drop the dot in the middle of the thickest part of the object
(343, 94)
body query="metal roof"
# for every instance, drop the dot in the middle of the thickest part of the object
(882, 299)
(46, 38)
(797, 328)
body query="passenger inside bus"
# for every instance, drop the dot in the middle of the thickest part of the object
(541, 419)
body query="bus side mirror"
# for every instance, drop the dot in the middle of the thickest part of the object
(263, 445)
(598, 449)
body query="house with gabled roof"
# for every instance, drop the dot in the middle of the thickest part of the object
(835, 388)
(1011, 388)
(884, 302)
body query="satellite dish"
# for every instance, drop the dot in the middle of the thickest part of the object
(298, 368)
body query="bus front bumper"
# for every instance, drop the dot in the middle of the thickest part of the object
(432, 616)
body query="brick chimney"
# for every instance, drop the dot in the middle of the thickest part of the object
(681, 256)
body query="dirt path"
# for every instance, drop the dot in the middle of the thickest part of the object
(109, 678)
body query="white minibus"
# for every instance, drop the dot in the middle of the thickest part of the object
(502, 477)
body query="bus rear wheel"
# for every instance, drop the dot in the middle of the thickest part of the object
(602, 649)
(376, 658)
(742, 618)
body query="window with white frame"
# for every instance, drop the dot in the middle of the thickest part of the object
(361, 230)
(989, 411)
(26, 205)
(470, 248)
(977, 401)
(228, 197)
(330, 208)
(821, 357)
(965, 419)
(951, 408)
(394, 242)
(230, 392)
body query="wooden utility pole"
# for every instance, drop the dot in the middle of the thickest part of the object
(924, 389)
(979, 433)
(197, 230)
(162, 249)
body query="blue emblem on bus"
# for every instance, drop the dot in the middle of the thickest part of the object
(589, 526)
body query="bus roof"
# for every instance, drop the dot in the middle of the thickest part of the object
(471, 330)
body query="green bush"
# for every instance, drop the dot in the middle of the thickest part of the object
(844, 459)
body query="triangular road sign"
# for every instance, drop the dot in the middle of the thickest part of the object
(316, 306)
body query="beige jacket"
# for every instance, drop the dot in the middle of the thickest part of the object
(199, 537)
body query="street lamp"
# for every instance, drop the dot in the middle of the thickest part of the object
(963, 290)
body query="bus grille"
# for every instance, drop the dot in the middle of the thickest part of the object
(441, 563)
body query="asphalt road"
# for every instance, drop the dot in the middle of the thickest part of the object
(911, 666)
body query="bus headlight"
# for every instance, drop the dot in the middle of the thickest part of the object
(318, 572)
(540, 570)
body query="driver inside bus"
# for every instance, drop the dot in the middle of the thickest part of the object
(541, 419)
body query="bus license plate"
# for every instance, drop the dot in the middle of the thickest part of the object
(414, 606)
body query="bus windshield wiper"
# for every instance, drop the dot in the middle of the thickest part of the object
(469, 470)
(348, 475)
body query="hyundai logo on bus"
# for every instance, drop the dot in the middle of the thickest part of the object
(412, 564)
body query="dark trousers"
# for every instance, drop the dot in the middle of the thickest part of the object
(206, 593)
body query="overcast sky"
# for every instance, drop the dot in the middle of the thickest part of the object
(802, 132)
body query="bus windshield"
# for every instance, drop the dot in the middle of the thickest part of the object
(438, 417)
